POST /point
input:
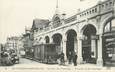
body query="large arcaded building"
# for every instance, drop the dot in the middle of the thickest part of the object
(90, 33)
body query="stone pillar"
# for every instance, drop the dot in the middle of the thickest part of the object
(79, 59)
(100, 59)
(63, 18)
(51, 40)
(64, 47)
(43, 41)
(93, 47)
(61, 45)
(75, 44)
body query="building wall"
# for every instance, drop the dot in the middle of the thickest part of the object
(12, 43)
(0, 50)
(96, 16)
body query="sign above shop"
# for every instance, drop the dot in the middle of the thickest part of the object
(95, 37)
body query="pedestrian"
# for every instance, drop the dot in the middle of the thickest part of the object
(49, 59)
(75, 60)
(62, 58)
(69, 57)
(58, 59)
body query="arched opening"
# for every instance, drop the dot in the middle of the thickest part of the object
(47, 39)
(109, 42)
(89, 44)
(57, 40)
(56, 22)
(71, 44)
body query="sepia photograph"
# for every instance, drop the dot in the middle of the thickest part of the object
(57, 35)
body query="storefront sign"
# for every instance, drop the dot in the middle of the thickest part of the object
(109, 34)
(110, 40)
(96, 37)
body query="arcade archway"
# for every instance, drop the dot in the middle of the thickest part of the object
(71, 43)
(57, 40)
(109, 42)
(89, 44)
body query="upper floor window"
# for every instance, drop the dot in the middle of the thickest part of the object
(110, 26)
(56, 22)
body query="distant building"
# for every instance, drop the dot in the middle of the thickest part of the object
(12, 43)
(0, 53)
(2, 47)
(28, 43)
(0, 50)
(39, 24)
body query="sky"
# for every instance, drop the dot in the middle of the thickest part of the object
(15, 15)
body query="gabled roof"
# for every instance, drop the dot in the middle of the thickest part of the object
(39, 23)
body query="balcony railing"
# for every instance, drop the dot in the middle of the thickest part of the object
(100, 8)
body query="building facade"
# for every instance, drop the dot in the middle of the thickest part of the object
(12, 44)
(27, 43)
(85, 33)
(0, 53)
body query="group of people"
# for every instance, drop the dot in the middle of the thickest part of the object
(8, 58)
(72, 58)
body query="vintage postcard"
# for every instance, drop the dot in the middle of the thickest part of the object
(57, 35)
